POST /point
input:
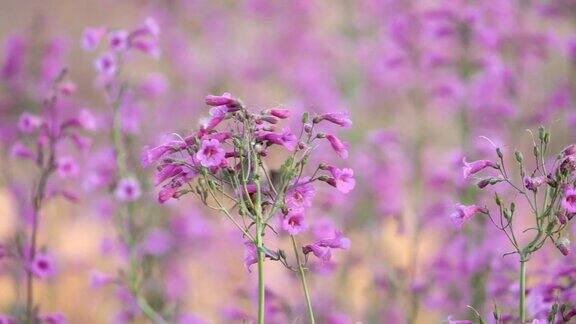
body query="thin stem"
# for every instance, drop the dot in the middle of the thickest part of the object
(261, 288)
(303, 281)
(521, 307)
(260, 252)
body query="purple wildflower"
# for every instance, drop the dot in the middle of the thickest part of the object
(340, 147)
(293, 223)
(128, 189)
(569, 200)
(471, 168)
(210, 153)
(462, 214)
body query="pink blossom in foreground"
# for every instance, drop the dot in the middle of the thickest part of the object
(211, 154)
(569, 200)
(300, 195)
(342, 179)
(293, 223)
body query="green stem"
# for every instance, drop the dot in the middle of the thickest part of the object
(260, 253)
(521, 308)
(303, 281)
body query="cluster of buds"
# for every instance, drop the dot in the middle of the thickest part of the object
(549, 192)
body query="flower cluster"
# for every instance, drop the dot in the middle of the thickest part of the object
(119, 43)
(547, 191)
(225, 161)
(44, 137)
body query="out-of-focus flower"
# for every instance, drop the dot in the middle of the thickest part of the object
(67, 167)
(91, 38)
(42, 265)
(29, 123)
(55, 318)
(340, 147)
(118, 40)
(128, 189)
(106, 64)
(462, 214)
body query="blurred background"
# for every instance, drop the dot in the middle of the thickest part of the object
(426, 82)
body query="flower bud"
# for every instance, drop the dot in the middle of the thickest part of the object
(563, 245)
(305, 118)
(499, 153)
(519, 157)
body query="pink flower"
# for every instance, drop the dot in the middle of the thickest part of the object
(280, 113)
(19, 151)
(338, 146)
(151, 26)
(91, 38)
(156, 243)
(224, 100)
(563, 245)
(321, 252)
(99, 279)
(286, 139)
(339, 118)
(28, 123)
(343, 179)
(42, 266)
(152, 155)
(210, 153)
(146, 46)
(569, 200)
(533, 183)
(118, 40)
(293, 223)
(322, 248)
(67, 167)
(462, 214)
(128, 189)
(300, 195)
(106, 64)
(166, 171)
(475, 167)
(55, 318)
(166, 194)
